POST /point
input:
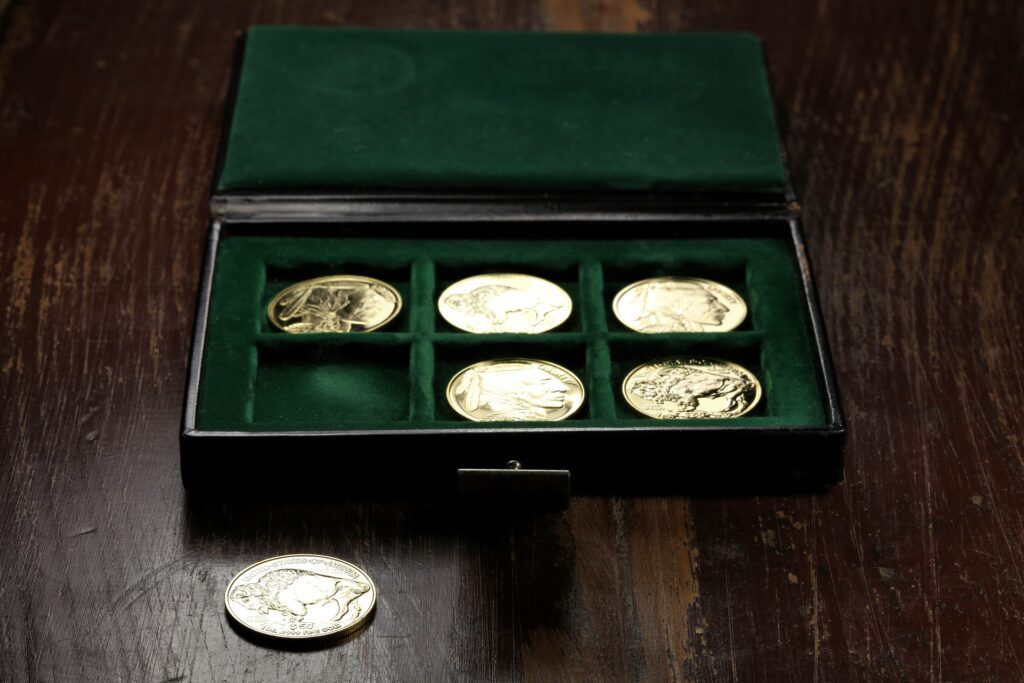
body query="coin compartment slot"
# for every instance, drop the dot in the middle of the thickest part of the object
(281, 273)
(743, 348)
(565, 275)
(731, 272)
(453, 355)
(339, 380)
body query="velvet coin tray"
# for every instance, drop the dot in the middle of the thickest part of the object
(260, 378)
(423, 157)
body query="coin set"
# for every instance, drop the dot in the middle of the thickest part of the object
(529, 389)
(346, 335)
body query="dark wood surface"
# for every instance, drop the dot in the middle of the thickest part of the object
(903, 126)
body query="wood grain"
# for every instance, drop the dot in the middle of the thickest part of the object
(902, 123)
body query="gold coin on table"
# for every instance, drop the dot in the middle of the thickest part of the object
(515, 390)
(336, 303)
(301, 596)
(504, 302)
(682, 388)
(679, 304)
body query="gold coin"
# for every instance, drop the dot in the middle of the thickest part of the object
(515, 390)
(336, 303)
(681, 388)
(679, 304)
(504, 302)
(301, 596)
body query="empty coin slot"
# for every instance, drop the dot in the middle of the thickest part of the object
(327, 387)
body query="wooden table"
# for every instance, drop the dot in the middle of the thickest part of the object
(903, 128)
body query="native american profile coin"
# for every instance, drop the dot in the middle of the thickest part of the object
(515, 390)
(679, 304)
(504, 302)
(336, 303)
(682, 388)
(301, 596)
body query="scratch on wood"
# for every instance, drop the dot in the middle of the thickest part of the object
(83, 532)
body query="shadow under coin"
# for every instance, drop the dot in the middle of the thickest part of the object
(436, 566)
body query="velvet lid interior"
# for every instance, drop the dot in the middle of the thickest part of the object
(333, 109)
(257, 378)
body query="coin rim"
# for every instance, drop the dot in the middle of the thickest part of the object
(456, 408)
(753, 404)
(451, 322)
(354, 626)
(325, 278)
(622, 292)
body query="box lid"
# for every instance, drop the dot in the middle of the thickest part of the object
(341, 110)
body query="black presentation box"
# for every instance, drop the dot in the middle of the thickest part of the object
(423, 157)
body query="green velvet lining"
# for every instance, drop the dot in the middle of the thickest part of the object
(336, 109)
(256, 378)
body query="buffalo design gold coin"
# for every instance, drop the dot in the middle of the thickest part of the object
(504, 302)
(336, 303)
(681, 388)
(301, 596)
(515, 390)
(679, 304)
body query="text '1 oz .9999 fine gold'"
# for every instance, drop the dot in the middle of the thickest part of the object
(301, 596)
(515, 390)
(682, 388)
(336, 303)
(504, 302)
(679, 304)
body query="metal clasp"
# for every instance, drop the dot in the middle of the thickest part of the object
(516, 486)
